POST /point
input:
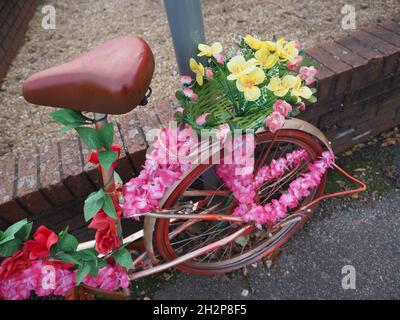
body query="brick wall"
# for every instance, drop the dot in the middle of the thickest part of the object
(358, 97)
(14, 19)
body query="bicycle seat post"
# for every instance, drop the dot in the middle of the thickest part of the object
(107, 175)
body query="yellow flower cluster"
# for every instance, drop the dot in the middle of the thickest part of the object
(268, 53)
(280, 87)
(249, 74)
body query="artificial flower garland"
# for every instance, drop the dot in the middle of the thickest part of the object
(34, 269)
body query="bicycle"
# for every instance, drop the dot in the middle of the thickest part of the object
(194, 229)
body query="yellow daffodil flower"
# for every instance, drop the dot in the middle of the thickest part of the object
(271, 46)
(280, 87)
(238, 66)
(301, 91)
(247, 83)
(208, 51)
(253, 42)
(198, 69)
(266, 58)
(287, 51)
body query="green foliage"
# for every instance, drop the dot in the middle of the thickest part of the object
(96, 201)
(71, 119)
(123, 257)
(11, 240)
(107, 157)
(93, 204)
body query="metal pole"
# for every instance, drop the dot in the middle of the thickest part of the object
(186, 25)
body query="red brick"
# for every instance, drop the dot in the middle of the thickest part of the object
(125, 169)
(76, 219)
(149, 122)
(72, 170)
(53, 218)
(7, 178)
(385, 35)
(392, 103)
(342, 70)
(12, 212)
(27, 184)
(391, 25)
(165, 113)
(133, 139)
(3, 225)
(358, 63)
(390, 52)
(325, 82)
(375, 59)
(50, 175)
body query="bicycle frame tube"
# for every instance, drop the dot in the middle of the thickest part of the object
(107, 175)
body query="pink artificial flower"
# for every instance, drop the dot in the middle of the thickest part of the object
(301, 106)
(294, 64)
(307, 74)
(297, 44)
(209, 73)
(282, 107)
(190, 94)
(202, 119)
(180, 109)
(222, 132)
(275, 121)
(185, 80)
(219, 57)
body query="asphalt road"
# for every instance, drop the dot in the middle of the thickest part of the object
(362, 234)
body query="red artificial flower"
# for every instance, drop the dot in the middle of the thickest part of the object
(94, 155)
(40, 247)
(106, 234)
(60, 264)
(14, 265)
(107, 239)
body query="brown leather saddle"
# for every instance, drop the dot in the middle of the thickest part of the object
(112, 78)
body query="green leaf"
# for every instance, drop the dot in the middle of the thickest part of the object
(180, 95)
(91, 137)
(93, 204)
(67, 242)
(83, 271)
(10, 247)
(108, 207)
(88, 255)
(312, 99)
(24, 233)
(68, 117)
(69, 127)
(107, 157)
(117, 178)
(9, 234)
(69, 258)
(123, 258)
(107, 135)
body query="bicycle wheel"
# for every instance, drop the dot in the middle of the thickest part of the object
(175, 238)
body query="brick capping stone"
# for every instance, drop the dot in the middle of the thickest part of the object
(358, 98)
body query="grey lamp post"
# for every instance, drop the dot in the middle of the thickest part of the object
(186, 25)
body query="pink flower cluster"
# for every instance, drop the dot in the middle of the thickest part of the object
(244, 189)
(244, 186)
(37, 278)
(276, 119)
(109, 278)
(164, 165)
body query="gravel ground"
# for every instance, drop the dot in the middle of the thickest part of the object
(82, 25)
